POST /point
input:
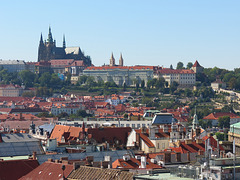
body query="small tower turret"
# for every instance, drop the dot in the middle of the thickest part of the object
(50, 39)
(121, 60)
(41, 49)
(64, 42)
(112, 61)
(195, 120)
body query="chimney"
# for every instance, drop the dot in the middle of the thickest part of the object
(188, 156)
(178, 157)
(89, 159)
(200, 152)
(143, 162)
(63, 158)
(34, 155)
(152, 132)
(199, 141)
(188, 141)
(50, 160)
(109, 160)
(126, 157)
(77, 165)
(21, 117)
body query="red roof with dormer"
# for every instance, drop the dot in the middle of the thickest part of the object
(133, 163)
(175, 71)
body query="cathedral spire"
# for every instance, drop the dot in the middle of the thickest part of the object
(41, 40)
(121, 60)
(64, 42)
(112, 61)
(50, 39)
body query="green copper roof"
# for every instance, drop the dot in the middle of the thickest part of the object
(237, 125)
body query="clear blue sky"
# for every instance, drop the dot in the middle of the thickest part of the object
(149, 32)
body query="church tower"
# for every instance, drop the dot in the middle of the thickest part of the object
(121, 60)
(41, 50)
(196, 130)
(64, 42)
(112, 61)
(50, 46)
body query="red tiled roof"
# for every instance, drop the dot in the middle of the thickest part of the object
(69, 132)
(221, 114)
(196, 64)
(49, 171)
(103, 104)
(77, 63)
(23, 125)
(175, 71)
(15, 169)
(146, 140)
(14, 99)
(61, 62)
(120, 108)
(213, 142)
(110, 134)
(133, 163)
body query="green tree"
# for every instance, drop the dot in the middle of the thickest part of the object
(232, 83)
(55, 81)
(180, 65)
(124, 86)
(90, 81)
(220, 136)
(189, 65)
(188, 92)
(142, 84)
(27, 77)
(137, 86)
(82, 113)
(224, 121)
(45, 79)
(63, 115)
(173, 87)
(68, 80)
(83, 79)
(171, 67)
(160, 83)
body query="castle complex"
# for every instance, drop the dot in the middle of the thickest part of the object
(47, 51)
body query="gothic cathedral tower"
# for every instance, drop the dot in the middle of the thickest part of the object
(121, 60)
(112, 61)
(41, 50)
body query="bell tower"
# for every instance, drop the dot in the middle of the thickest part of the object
(112, 61)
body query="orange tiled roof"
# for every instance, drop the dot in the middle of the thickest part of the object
(220, 114)
(133, 163)
(61, 130)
